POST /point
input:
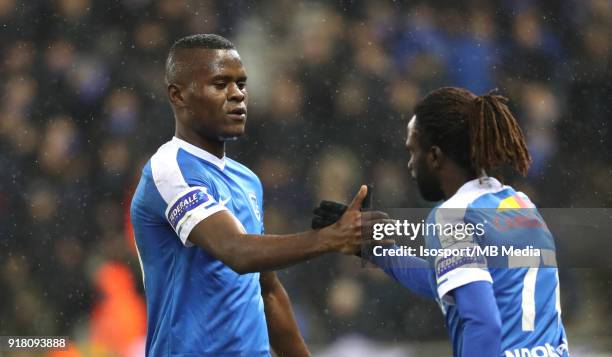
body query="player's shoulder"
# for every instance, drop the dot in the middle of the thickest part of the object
(161, 168)
(472, 191)
(177, 153)
(174, 168)
(160, 180)
(503, 198)
(160, 160)
(241, 169)
(477, 193)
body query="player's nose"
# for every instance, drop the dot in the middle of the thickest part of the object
(234, 93)
(410, 168)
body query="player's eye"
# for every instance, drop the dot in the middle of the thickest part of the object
(220, 85)
(241, 85)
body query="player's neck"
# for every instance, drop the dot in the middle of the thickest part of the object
(214, 147)
(453, 180)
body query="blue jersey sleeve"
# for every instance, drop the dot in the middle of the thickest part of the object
(412, 272)
(455, 270)
(188, 200)
(481, 320)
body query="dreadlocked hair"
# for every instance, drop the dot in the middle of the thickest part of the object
(478, 132)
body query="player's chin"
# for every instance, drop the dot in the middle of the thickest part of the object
(233, 132)
(431, 193)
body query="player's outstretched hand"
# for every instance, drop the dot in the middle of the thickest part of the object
(328, 213)
(353, 228)
(345, 234)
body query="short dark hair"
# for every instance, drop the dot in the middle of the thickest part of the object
(200, 41)
(478, 132)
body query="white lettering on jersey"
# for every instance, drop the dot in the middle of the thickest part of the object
(546, 350)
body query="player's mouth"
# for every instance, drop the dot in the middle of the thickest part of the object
(238, 114)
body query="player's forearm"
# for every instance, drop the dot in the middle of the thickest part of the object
(284, 334)
(481, 338)
(254, 253)
(221, 237)
(482, 325)
(412, 272)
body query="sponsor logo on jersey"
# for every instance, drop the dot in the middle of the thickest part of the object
(546, 350)
(185, 203)
(446, 264)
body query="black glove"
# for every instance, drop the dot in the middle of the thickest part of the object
(329, 212)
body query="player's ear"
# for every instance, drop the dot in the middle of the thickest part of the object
(435, 156)
(175, 94)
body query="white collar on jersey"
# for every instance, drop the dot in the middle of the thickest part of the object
(471, 190)
(481, 183)
(199, 152)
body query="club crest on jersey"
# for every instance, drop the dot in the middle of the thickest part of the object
(253, 200)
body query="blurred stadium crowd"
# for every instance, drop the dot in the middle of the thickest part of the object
(331, 88)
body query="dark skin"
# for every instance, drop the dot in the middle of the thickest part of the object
(209, 99)
(438, 177)
(282, 327)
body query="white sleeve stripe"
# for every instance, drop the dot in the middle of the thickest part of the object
(528, 300)
(459, 277)
(194, 217)
(558, 297)
(140, 262)
(166, 172)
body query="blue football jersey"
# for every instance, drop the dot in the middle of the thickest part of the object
(196, 305)
(526, 287)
